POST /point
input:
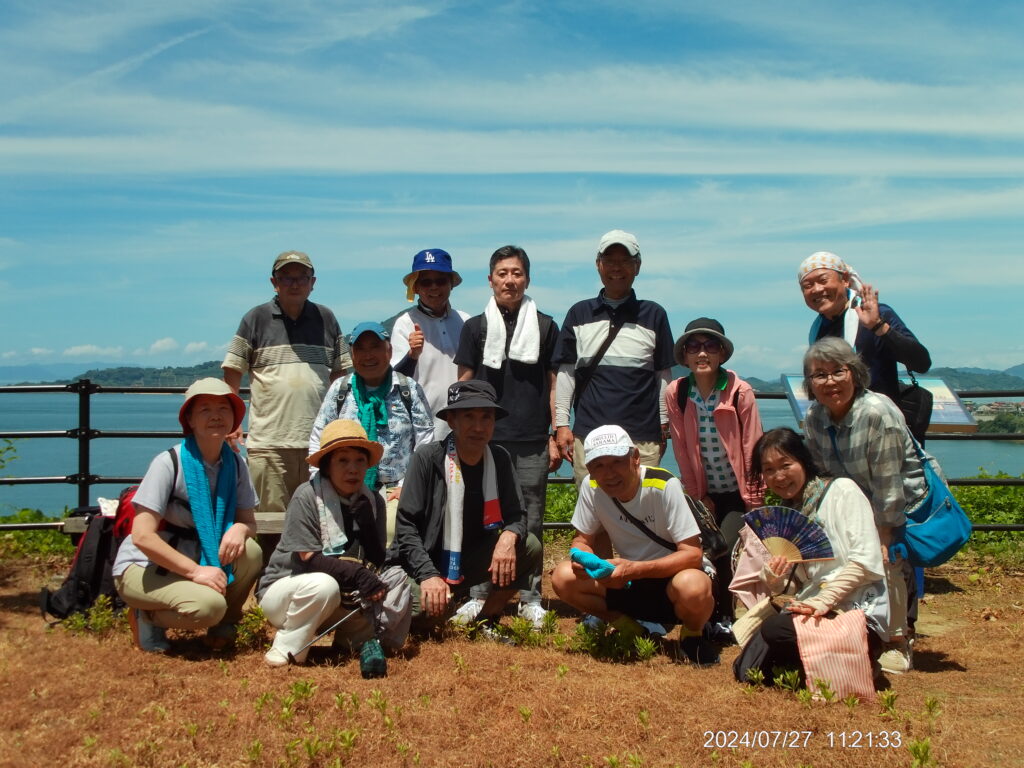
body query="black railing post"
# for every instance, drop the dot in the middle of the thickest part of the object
(85, 389)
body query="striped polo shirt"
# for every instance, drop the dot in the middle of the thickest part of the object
(289, 363)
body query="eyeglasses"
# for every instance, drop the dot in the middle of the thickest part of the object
(620, 262)
(839, 375)
(430, 282)
(711, 346)
(289, 282)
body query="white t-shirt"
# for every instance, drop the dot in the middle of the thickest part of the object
(659, 504)
(435, 369)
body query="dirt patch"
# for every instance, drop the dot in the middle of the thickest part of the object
(83, 701)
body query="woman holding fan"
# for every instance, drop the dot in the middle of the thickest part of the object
(852, 578)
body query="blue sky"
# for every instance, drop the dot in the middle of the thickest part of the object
(154, 157)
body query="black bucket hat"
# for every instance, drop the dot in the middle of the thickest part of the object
(708, 327)
(472, 393)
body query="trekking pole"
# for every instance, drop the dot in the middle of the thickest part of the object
(338, 623)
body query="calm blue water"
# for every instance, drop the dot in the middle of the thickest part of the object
(59, 456)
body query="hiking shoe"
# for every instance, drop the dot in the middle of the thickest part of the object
(372, 662)
(275, 658)
(700, 650)
(897, 658)
(220, 637)
(467, 612)
(720, 632)
(654, 629)
(534, 613)
(147, 636)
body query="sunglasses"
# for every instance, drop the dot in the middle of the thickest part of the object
(711, 346)
(430, 282)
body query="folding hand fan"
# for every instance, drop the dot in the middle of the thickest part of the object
(790, 533)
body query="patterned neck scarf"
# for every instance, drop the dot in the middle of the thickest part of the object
(212, 513)
(373, 412)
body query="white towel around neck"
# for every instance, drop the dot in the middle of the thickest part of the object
(525, 346)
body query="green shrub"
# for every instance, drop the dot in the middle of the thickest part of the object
(994, 505)
(46, 543)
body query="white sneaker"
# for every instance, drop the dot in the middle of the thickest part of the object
(534, 613)
(467, 612)
(897, 659)
(274, 658)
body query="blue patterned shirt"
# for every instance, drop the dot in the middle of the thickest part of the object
(400, 437)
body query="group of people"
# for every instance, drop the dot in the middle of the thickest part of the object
(411, 468)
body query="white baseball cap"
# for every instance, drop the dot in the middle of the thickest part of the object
(618, 237)
(609, 440)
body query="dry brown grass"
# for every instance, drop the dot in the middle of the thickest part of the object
(83, 701)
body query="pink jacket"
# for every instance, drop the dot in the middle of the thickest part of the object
(738, 443)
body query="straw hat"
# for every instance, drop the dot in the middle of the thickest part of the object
(211, 386)
(345, 433)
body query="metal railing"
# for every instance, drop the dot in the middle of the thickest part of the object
(84, 434)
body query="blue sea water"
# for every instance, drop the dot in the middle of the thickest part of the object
(130, 457)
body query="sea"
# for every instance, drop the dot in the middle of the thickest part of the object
(37, 457)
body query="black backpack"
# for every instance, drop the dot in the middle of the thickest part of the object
(90, 575)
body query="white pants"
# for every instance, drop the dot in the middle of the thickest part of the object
(301, 606)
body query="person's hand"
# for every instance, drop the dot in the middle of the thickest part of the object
(210, 576)
(232, 544)
(867, 310)
(621, 576)
(234, 440)
(503, 561)
(377, 596)
(416, 341)
(565, 440)
(394, 493)
(778, 565)
(435, 596)
(807, 609)
(554, 455)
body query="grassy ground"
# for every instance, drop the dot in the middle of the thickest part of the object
(88, 699)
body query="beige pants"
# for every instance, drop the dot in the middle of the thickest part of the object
(276, 473)
(177, 603)
(650, 456)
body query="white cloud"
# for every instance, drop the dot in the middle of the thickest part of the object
(9, 354)
(85, 350)
(166, 344)
(40, 351)
(196, 347)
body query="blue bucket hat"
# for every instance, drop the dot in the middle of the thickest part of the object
(369, 327)
(433, 259)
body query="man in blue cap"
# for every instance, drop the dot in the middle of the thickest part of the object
(390, 406)
(425, 338)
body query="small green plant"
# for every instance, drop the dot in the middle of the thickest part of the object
(755, 676)
(526, 713)
(262, 700)
(851, 702)
(634, 760)
(346, 739)
(254, 751)
(612, 761)
(99, 619)
(549, 625)
(921, 753)
(460, 662)
(560, 671)
(645, 647)
(825, 691)
(522, 633)
(789, 679)
(425, 700)
(89, 742)
(252, 630)
(303, 689)
(645, 718)
(887, 699)
(314, 746)
(378, 701)
(932, 707)
(805, 696)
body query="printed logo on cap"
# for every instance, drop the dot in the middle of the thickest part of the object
(429, 257)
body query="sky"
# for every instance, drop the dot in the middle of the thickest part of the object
(155, 157)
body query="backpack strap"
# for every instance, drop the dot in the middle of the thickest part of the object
(343, 390)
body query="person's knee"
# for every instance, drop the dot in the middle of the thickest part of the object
(690, 592)
(562, 578)
(205, 609)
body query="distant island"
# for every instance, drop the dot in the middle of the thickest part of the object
(959, 379)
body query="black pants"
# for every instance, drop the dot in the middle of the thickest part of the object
(724, 504)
